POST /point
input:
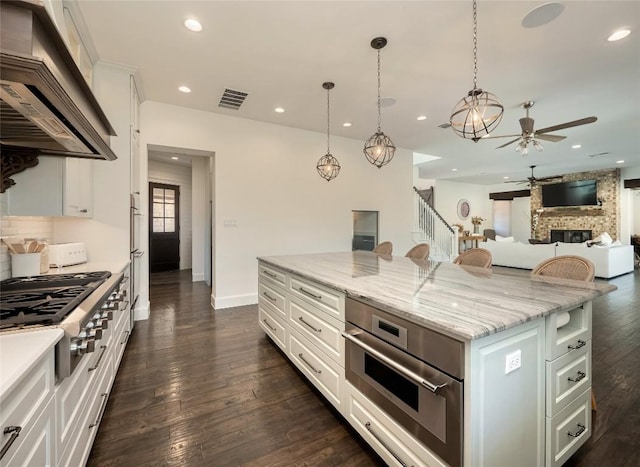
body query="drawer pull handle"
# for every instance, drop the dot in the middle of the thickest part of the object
(309, 364)
(15, 432)
(268, 296)
(579, 432)
(270, 274)
(384, 445)
(103, 349)
(268, 325)
(301, 319)
(581, 375)
(103, 406)
(581, 343)
(126, 337)
(305, 291)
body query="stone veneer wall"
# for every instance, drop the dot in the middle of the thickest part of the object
(598, 219)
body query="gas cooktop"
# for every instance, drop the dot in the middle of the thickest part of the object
(45, 300)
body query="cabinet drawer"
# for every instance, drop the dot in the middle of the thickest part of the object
(324, 373)
(35, 447)
(568, 430)
(23, 406)
(321, 329)
(272, 296)
(272, 274)
(272, 326)
(567, 377)
(389, 440)
(326, 299)
(572, 335)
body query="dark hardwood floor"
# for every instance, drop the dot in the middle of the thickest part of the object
(200, 387)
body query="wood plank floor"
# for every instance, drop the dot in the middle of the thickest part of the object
(200, 387)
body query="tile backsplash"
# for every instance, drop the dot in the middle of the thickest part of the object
(28, 227)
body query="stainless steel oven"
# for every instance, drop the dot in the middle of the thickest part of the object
(414, 374)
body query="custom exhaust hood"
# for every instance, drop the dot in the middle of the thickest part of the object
(46, 106)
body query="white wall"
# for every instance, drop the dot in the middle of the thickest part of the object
(629, 206)
(179, 175)
(270, 197)
(521, 219)
(636, 212)
(200, 202)
(447, 194)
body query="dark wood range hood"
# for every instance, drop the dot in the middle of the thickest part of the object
(46, 106)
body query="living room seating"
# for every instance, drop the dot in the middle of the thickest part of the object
(609, 261)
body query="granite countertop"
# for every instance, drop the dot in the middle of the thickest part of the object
(461, 301)
(20, 351)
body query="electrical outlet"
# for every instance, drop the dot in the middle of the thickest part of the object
(513, 361)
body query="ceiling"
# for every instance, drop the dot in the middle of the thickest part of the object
(280, 53)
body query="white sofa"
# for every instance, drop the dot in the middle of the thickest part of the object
(609, 261)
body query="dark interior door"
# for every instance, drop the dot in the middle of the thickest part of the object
(164, 227)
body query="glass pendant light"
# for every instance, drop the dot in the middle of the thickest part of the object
(379, 148)
(328, 166)
(479, 112)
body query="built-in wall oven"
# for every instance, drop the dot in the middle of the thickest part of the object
(414, 374)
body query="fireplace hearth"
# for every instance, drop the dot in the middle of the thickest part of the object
(570, 236)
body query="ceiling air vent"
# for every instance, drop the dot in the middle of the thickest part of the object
(598, 154)
(232, 99)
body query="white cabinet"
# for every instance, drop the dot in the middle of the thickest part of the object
(57, 186)
(27, 418)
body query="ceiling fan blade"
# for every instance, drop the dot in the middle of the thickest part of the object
(552, 138)
(582, 121)
(501, 136)
(510, 142)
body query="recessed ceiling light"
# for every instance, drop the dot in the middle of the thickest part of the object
(184, 89)
(576, 146)
(422, 117)
(506, 178)
(193, 25)
(542, 15)
(346, 124)
(483, 173)
(387, 102)
(454, 170)
(619, 162)
(175, 158)
(619, 34)
(279, 110)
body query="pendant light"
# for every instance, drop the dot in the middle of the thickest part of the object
(379, 148)
(479, 112)
(328, 166)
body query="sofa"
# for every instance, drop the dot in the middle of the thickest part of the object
(609, 261)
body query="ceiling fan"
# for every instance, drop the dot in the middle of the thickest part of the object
(531, 136)
(533, 179)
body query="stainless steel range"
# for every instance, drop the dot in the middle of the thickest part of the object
(80, 304)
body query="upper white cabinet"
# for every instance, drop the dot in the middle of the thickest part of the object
(57, 186)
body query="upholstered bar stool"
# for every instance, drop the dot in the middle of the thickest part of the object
(384, 248)
(420, 251)
(474, 257)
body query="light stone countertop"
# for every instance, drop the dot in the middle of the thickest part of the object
(461, 301)
(91, 266)
(20, 351)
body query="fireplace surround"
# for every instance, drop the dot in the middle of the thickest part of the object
(570, 236)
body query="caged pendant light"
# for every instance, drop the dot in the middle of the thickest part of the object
(379, 148)
(479, 112)
(328, 166)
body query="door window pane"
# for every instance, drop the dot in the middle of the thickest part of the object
(158, 195)
(158, 210)
(169, 225)
(169, 196)
(158, 224)
(170, 210)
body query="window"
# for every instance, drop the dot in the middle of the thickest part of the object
(164, 210)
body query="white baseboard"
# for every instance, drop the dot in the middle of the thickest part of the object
(233, 300)
(199, 277)
(141, 312)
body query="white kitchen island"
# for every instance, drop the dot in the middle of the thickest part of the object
(527, 380)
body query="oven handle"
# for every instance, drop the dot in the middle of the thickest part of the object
(434, 388)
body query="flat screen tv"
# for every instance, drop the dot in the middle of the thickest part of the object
(576, 193)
